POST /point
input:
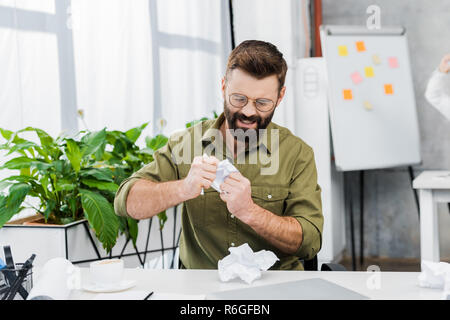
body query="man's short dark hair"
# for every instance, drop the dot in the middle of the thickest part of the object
(260, 59)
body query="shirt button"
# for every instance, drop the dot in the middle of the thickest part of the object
(232, 244)
(269, 196)
(232, 216)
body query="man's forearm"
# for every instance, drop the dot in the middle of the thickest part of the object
(285, 233)
(147, 198)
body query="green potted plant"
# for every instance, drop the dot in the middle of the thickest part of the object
(74, 178)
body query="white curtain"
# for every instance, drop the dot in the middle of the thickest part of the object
(30, 92)
(121, 62)
(286, 25)
(141, 60)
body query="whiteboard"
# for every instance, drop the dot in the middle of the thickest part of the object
(372, 106)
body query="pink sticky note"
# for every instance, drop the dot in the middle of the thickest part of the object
(393, 62)
(356, 77)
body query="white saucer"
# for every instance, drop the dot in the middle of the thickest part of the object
(124, 285)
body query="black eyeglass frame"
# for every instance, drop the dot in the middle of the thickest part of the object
(254, 100)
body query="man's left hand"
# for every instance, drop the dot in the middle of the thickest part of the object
(237, 193)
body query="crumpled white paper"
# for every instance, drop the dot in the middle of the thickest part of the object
(224, 168)
(242, 262)
(436, 275)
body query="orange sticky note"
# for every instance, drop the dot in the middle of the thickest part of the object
(388, 89)
(369, 72)
(342, 50)
(360, 46)
(347, 94)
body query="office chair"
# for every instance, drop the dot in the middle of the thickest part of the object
(312, 265)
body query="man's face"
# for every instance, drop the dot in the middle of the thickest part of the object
(249, 117)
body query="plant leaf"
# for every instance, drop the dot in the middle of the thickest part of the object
(49, 207)
(44, 137)
(133, 230)
(156, 142)
(25, 162)
(162, 219)
(18, 163)
(27, 145)
(101, 217)
(93, 141)
(134, 133)
(6, 133)
(103, 174)
(101, 185)
(64, 185)
(5, 214)
(73, 154)
(10, 205)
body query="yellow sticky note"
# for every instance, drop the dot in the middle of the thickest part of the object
(342, 50)
(360, 46)
(368, 105)
(388, 89)
(347, 94)
(376, 59)
(369, 72)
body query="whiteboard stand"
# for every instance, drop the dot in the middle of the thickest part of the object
(373, 116)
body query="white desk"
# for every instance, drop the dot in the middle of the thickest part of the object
(434, 187)
(393, 285)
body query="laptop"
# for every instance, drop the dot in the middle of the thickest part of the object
(310, 289)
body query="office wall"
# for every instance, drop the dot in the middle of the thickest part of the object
(391, 224)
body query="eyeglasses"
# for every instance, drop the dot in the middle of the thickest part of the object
(239, 101)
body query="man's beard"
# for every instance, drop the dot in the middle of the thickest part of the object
(232, 118)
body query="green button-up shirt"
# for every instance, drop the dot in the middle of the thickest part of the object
(287, 188)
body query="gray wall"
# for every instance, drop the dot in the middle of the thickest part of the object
(391, 224)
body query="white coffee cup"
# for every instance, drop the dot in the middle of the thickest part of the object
(107, 272)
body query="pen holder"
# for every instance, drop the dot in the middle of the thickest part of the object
(16, 283)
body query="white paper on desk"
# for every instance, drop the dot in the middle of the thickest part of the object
(242, 262)
(53, 280)
(224, 168)
(435, 275)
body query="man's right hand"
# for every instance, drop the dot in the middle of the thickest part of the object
(201, 175)
(444, 67)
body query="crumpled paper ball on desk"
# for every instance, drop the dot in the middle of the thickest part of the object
(436, 275)
(242, 262)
